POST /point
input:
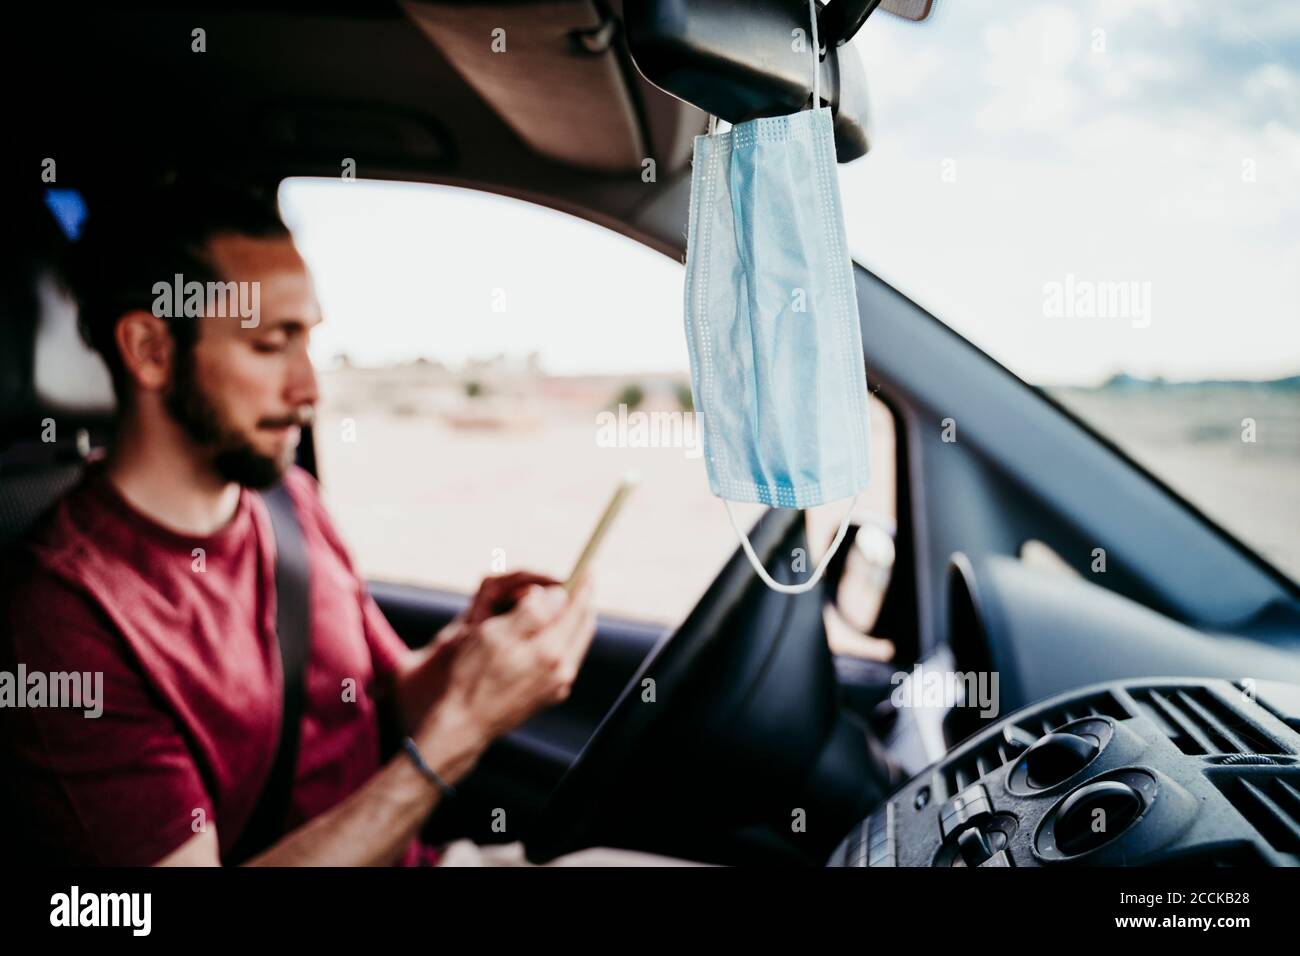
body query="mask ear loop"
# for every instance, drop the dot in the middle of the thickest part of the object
(803, 586)
(817, 57)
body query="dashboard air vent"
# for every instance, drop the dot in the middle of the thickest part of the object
(1271, 802)
(1098, 705)
(1021, 733)
(1198, 722)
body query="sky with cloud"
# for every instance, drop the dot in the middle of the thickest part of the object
(1013, 145)
(1110, 140)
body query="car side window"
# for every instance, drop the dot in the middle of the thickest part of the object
(490, 370)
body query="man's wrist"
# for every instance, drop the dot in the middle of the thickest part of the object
(450, 741)
(412, 751)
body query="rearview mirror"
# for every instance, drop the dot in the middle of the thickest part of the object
(742, 61)
(908, 9)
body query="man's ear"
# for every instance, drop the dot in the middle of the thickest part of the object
(147, 349)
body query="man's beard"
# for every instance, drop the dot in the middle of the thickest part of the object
(236, 459)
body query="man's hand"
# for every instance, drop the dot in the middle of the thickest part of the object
(506, 668)
(422, 679)
(498, 595)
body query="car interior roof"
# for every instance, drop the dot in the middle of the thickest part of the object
(403, 89)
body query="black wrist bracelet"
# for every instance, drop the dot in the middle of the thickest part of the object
(426, 771)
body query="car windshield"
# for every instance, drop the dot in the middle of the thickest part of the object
(1102, 195)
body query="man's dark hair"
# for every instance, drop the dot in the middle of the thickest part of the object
(140, 237)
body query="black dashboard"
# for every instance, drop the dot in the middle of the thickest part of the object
(1128, 773)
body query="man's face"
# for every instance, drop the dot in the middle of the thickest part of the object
(243, 393)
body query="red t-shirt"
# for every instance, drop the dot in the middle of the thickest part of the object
(192, 684)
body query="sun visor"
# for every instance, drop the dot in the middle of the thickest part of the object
(550, 70)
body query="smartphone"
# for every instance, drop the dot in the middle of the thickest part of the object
(602, 526)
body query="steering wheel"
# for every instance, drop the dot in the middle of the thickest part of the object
(735, 709)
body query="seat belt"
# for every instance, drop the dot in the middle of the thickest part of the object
(293, 629)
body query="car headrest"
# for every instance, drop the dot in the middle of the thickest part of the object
(45, 367)
(67, 375)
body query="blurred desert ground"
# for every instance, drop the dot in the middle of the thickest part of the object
(439, 476)
(1191, 436)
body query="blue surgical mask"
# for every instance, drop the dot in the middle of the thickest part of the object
(772, 321)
